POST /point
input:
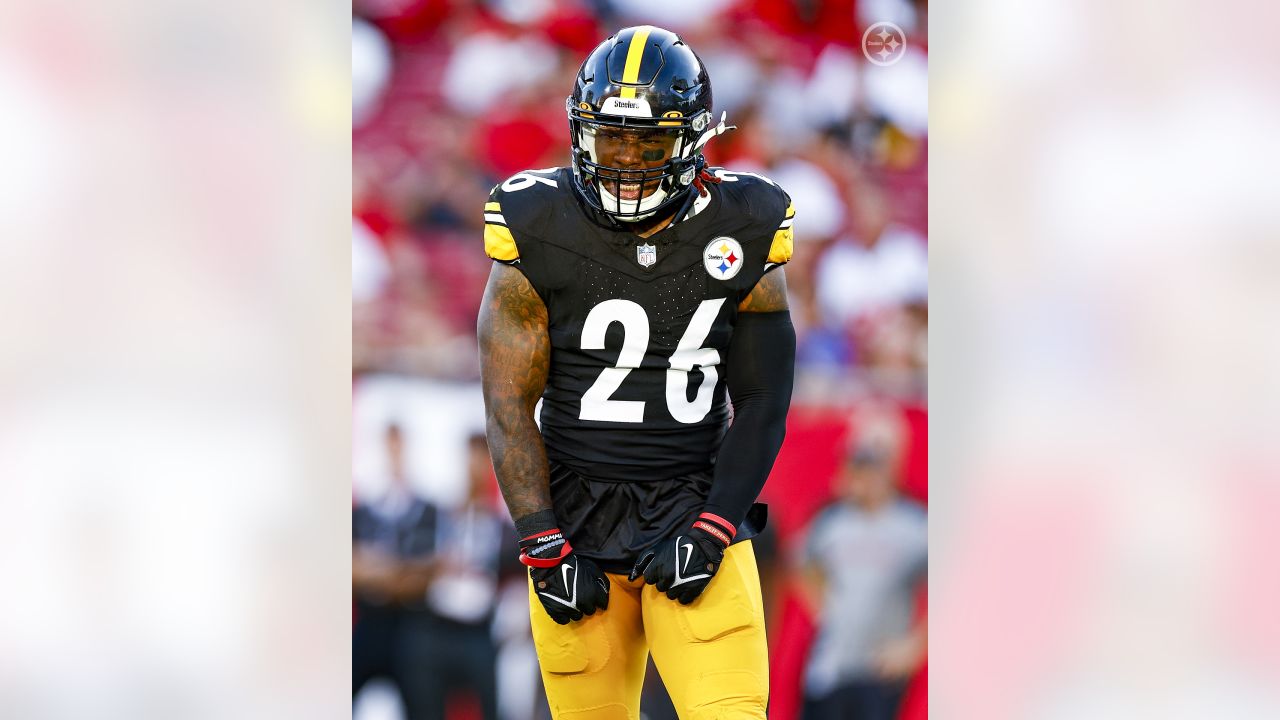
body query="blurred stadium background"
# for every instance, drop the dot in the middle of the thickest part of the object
(452, 96)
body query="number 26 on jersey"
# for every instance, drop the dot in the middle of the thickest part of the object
(597, 402)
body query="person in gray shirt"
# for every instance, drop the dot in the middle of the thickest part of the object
(863, 560)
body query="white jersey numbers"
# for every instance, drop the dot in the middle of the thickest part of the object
(596, 404)
(688, 355)
(733, 176)
(596, 401)
(527, 179)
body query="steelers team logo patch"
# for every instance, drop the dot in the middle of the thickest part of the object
(722, 258)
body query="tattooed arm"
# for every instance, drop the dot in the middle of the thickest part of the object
(515, 355)
(769, 294)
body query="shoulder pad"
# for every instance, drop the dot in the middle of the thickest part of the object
(514, 211)
(783, 237)
(768, 204)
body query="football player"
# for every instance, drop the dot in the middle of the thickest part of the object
(636, 293)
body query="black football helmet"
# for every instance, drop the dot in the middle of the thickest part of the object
(647, 80)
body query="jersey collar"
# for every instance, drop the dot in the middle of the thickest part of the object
(700, 203)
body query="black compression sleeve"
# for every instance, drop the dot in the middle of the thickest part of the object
(761, 368)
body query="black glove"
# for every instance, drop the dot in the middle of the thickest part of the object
(568, 586)
(681, 566)
(573, 588)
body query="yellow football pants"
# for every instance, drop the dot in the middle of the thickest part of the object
(711, 654)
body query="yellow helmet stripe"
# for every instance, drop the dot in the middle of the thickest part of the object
(635, 53)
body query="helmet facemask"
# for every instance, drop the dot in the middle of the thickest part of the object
(632, 167)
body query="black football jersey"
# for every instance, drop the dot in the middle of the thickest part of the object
(640, 327)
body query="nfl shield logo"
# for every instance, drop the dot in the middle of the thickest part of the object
(646, 255)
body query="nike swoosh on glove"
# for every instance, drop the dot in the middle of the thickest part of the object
(683, 565)
(573, 588)
(569, 586)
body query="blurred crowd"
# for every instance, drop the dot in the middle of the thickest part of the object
(450, 97)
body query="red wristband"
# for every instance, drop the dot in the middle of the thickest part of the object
(544, 562)
(717, 527)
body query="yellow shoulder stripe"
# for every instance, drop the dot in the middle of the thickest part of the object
(492, 207)
(783, 244)
(791, 210)
(498, 243)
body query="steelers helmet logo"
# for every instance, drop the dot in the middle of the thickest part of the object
(723, 258)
